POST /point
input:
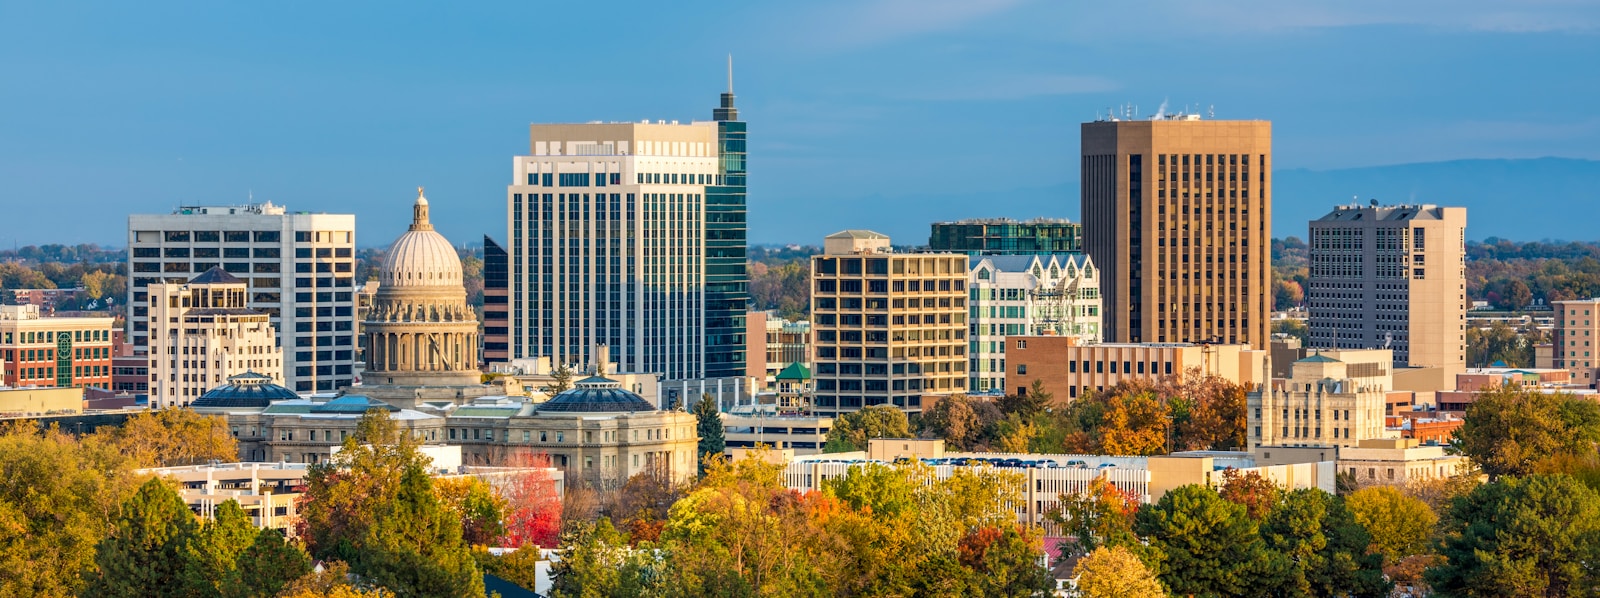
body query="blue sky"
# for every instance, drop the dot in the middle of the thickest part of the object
(862, 112)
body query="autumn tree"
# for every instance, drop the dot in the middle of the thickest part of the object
(1257, 493)
(708, 425)
(1400, 525)
(1134, 422)
(481, 510)
(533, 504)
(1208, 545)
(953, 419)
(1101, 515)
(144, 555)
(174, 436)
(58, 498)
(1116, 572)
(599, 562)
(1508, 430)
(333, 581)
(414, 545)
(1530, 536)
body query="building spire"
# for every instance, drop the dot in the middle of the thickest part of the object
(419, 213)
(730, 74)
(727, 111)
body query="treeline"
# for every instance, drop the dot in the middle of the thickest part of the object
(780, 279)
(1513, 276)
(1175, 413)
(65, 254)
(877, 530)
(75, 519)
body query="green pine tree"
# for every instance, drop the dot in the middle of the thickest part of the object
(144, 556)
(267, 565)
(712, 440)
(211, 556)
(1206, 545)
(415, 549)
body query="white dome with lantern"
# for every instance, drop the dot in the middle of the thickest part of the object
(421, 257)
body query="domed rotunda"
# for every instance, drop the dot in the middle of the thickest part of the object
(420, 330)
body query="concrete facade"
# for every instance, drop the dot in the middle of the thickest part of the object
(1070, 370)
(887, 328)
(1391, 277)
(1332, 398)
(299, 266)
(202, 333)
(1177, 214)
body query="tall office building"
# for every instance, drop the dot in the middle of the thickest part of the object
(1177, 213)
(299, 267)
(1391, 277)
(632, 235)
(1576, 344)
(496, 302)
(1004, 236)
(202, 333)
(887, 328)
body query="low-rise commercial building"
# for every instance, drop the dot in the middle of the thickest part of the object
(33, 402)
(1399, 460)
(1333, 398)
(750, 428)
(1070, 369)
(202, 333)
(40, 350)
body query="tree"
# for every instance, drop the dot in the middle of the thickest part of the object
(1115, 573)
(270, 564)
(414, 545)
(1509, 430)
(708, 425)
(1321, 549)
(96, 283)
(1101, 515)
(175, 436)
(1208, 545)
(560, 380)
(1004, 561)
(1254, 491)
(1530, 536)
(482, 512)
(212, 554)
(59, 498)
(143, 556)
(851, 431)
(1026, 405)
(1134, 422)
(1286, 294)
(953, 419)
(533, 516)
(598, 562)
(1400, 525)
(333, 581)
(1294, 328)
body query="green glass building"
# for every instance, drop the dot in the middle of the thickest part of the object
(1004, 236)
(727, 282)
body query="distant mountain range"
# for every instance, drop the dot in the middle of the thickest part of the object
(1523, 199)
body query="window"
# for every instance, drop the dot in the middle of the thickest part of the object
(1022, 343)
(1022, 368)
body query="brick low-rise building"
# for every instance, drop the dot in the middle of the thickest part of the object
(1070, 369)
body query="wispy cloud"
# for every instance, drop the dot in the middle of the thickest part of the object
(1525, 16)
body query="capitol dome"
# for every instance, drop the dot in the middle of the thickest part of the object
(421, 257)
(244, 391)
(596, 394)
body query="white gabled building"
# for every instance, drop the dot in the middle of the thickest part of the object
(1017, 295)
(202, 333)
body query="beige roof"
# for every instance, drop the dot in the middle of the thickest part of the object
(857, 234)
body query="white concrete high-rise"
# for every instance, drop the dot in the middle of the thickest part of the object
(299, 269)
(1024, 295)
(631, 235)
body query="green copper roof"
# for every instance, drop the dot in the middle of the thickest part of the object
(795, 371)
(1318, 358)
(485, 412)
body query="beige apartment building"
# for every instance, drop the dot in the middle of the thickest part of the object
(887, 328)
(1070, 369)
(1577, 330)
(1391, 277)
(1177, 213)
(202, 333)
(1332, 398)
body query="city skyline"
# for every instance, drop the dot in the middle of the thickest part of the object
(231, 103)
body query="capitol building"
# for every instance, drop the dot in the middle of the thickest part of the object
(422, 368)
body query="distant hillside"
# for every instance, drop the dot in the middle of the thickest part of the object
(1543, 198)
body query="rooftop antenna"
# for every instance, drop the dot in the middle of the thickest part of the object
(1211, 111)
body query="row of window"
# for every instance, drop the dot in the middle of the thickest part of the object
(51, 336)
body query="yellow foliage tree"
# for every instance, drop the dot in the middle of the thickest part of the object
(1116, 573)
(171, 437)
(1400, 525)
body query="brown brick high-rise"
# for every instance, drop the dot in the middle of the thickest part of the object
(1177, 213)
